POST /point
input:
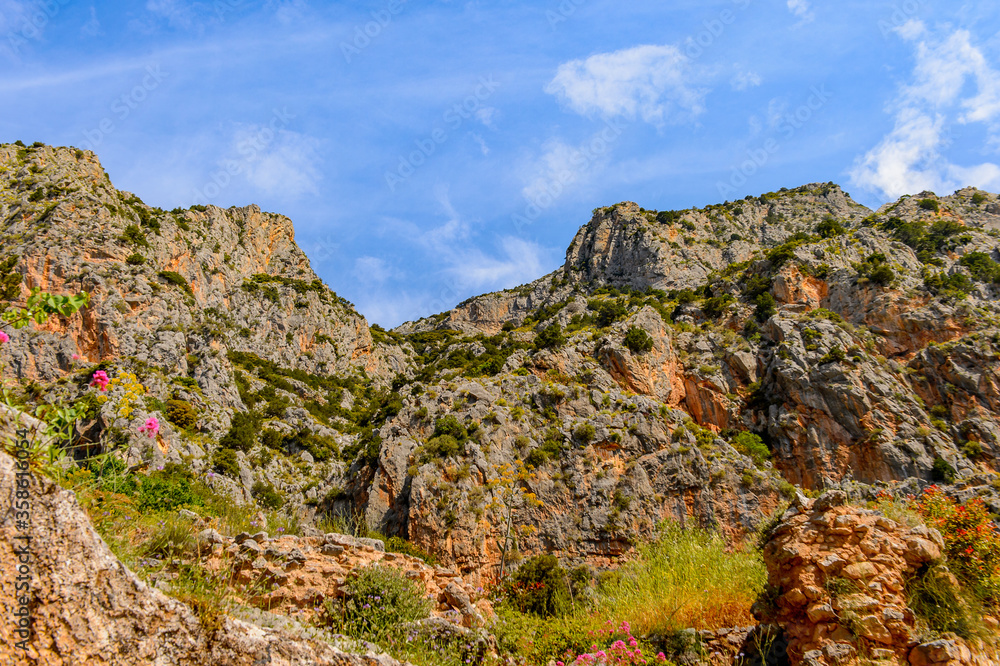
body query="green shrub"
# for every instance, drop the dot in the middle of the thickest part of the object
(829, 228)
(955, 286)
(539, 586)
(450, 425)
(929, 204)
(877, 270)
(166, 489)
(242, 433)
(766, 307)
(584, 433)
(267, 495)
(942, 470)
(551, 336)
(442, 446)
(177, 280)
(638, 340)
(551, 447)
(715, 306)
(181, 414)
(224, 462)
(982, 266)
(377, 601)
(978, 198)
(750, 444)
(272, 439)
(609, 311)
(133, 235)
(173, 536)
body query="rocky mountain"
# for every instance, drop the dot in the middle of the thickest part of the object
(695, 365)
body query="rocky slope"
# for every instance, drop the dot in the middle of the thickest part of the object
(87, 608)
(689, 365)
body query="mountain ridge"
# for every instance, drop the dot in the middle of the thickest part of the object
(774, 315)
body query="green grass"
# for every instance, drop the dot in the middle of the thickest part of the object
(687, 578)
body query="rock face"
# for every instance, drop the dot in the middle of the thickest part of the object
(87, 608)
(297, 574)
(839, 575)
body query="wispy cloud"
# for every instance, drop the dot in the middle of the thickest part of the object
(92, 28)
(654, 83)
(277, 162)
(801, 10)
(469, 267)
(912, 157)
(374, 270)
(745, 80)
(177, 13)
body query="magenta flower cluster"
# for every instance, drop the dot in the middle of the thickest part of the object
(100, 380)
(623, 652)
(150, 427)
(4, 337)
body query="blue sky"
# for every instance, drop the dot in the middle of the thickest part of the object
(431, 151)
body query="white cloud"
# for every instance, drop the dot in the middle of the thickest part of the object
(651, 82)
(745, 80)
(373, 270)
(176, 12)
(562, 166)
(15, 15)
(483, 147)
(912, 157)
(470, 269)
(911, 29)
(92, 28)
(801, 10)
(518, 261)
(277, 161)
(488, 116)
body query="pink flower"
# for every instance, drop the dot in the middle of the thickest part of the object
(76, 357)
(150, 427)
(661, 657)
(100, 380)
(4, 337)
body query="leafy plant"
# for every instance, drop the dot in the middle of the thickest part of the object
(972, 541)
(638, 340)
(539, 586)
(177, 280)
(377, 601)
(750, 444)
(268, 497)
(551, 336)
(181, 413)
